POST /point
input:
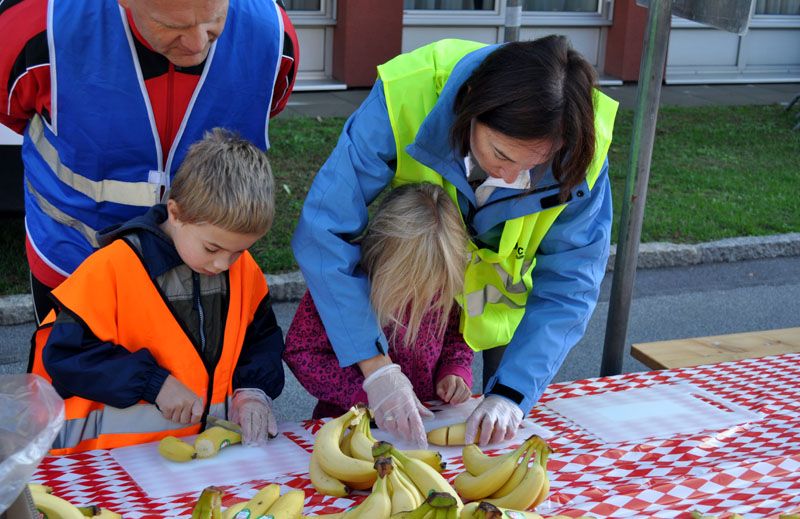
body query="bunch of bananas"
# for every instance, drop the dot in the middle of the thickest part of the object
(208, 443)
(343, 460)
(507, 481)
(54, 507)
(268, 502)
(438, 505)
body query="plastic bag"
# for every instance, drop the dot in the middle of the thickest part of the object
(31, 415)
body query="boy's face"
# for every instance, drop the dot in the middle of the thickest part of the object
(205, 248)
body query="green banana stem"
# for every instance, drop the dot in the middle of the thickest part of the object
(209, 506)
(441, 500)
(89, 510)
(420, 512)
(382, 448)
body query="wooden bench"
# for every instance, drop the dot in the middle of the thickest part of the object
(681, 353)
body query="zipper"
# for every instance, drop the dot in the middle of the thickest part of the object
(201, 319)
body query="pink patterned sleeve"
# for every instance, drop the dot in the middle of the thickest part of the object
(456, 357)
(311, 358)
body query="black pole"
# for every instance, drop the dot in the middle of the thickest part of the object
(651, 74)
(513, 20)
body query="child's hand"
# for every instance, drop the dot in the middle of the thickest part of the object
(453, 390)
(178, 403)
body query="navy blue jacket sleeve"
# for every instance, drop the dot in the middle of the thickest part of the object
(260, 365)
(82, 365)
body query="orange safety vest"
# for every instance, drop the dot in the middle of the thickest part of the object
(112, 293)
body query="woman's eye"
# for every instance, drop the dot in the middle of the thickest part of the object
(210, 250)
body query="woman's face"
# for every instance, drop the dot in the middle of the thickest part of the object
(501, 156)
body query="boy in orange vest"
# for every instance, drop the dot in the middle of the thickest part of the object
(170, 321)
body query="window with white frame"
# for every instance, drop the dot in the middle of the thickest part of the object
(778, 7)
(449, 5)
(566, 6)
(303, 5)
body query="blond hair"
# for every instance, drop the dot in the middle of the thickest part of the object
(225, 181)
(414, 252)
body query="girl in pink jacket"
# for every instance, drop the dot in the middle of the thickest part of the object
(414, 253)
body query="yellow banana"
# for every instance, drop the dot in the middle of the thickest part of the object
(209, 506)
(450, 435)
(231, 511)
(377, 505)
(361, 442)
(477, 462)
(89, 510)
(261, 502)
(543, 454)
(344, 442)
(334, 461)
(175, 449)
(425, 477)
(431, 457)
(209, 442)
(405, 480)
(516, 476)
(324, 482)
(287, 506)
(54, 507)
(523, 496)
(403, 498)
(36, 487)
(472, 487)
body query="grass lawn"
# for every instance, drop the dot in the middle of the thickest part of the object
(717, 172)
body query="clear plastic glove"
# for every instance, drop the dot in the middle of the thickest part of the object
(395, 406)
(498, 419)
(252, 410)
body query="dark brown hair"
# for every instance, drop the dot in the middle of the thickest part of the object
(540, 89)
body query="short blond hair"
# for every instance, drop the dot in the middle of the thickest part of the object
(226, 181)
(414, 252)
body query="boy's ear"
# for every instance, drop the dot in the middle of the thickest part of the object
(173, 211)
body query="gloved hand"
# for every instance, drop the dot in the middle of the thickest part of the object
(395, 406)
(498, 419)
(252, 410)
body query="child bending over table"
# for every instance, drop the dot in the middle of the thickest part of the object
(414, 252)
(170, 321)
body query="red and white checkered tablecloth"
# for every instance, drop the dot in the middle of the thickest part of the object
(753, 469)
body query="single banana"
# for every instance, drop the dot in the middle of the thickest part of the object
(523, 496)
(472, 487)
(36, 487)
(543, 453)
(425, 477)
(377, 505)
(209, 442)
(347, 437)
(324, 482)
(287, 506)
(431, 457)
(334, 461)
(231, 511)
(261, 502)
(406, 481)
(362, 441)
(175, 449)
(450, 435)
(209, 506)
(54, 507)
(403, 499)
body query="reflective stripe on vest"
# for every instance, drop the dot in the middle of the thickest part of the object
(496, 283)
(113, 295)
(89, 234)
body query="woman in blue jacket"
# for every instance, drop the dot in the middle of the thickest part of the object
(518, 137)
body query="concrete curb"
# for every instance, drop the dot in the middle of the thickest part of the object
(18, 309)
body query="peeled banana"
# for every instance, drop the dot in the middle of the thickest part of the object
(54, 507)
(209, 442)
(175, 449)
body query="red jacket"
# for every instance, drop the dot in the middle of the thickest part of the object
(25, 83)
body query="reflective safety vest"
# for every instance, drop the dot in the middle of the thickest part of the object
(99, 162)
(113, 295)
(496, 283)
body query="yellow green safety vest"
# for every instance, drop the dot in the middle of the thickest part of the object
(496, 284)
